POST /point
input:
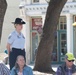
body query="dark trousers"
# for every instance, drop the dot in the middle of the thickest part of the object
(13, 55)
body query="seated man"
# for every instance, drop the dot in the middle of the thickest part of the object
(4, 70)
(68, 68)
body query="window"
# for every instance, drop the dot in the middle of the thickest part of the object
(74, 0)
(62, 23)
(22, 0)
(74, 35)
(35, 1)
(74, 18)
(35, 36)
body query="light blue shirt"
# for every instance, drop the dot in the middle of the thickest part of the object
(26, 71)
(16, 40)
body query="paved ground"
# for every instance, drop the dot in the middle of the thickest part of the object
(39, 73)
(2, 56)
(54, 67)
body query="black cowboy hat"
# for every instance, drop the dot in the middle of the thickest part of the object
(18, 21)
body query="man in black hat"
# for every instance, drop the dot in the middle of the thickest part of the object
(16, 42)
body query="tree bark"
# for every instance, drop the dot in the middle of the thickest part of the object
(3, 7)
(43, 58)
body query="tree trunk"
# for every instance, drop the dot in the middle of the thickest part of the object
(43, 58)
(3, 7)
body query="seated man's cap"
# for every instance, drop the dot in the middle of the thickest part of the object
(69, 56)
(18, 21)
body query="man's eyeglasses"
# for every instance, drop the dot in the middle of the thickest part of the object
(71, 60)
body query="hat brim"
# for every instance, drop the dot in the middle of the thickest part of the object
(19, 23)
(71, 59)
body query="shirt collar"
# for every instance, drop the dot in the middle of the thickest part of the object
(18, 33)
